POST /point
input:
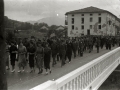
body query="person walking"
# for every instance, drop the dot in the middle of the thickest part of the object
(26, 44)
(7, 56)
(13, 51)
(81, 47)
(62, 52)
(97, 44)
(74, 47)
(109, 43)
(54, 52)
(21, 56)
(58, 46)
(39, 57)
(31, 55)
(47, 56)
(106, 42)
(90, 44)
(69, 50)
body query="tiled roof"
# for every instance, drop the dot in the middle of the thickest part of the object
(89, 10)
(44, 28)
(59, 28)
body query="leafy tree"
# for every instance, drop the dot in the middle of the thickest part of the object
(9, 36)
(53, 27)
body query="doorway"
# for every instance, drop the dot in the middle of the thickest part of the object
(88, 32)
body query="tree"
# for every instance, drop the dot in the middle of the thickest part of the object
(9, 36)
(3, 81)
(36, 26)
(53, 27)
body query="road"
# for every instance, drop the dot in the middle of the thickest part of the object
(26, 80)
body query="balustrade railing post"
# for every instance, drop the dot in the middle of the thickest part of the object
(79, 82)
(90, 75)
(82, 81)
(70, 85)
(87, 79)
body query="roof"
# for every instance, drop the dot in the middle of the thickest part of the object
(89, 10)
(44, 28)
(60, 28)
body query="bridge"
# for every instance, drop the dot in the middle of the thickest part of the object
(87, 77)
(88, 73)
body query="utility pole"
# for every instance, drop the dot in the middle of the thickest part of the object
(3, 81)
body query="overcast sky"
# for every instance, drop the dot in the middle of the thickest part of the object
(29, 10)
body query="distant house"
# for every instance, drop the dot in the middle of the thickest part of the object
(44, 28)
(60, 28)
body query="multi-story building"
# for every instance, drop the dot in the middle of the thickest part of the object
(117, 26)
(90, 21)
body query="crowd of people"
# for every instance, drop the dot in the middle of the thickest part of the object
(39, 52)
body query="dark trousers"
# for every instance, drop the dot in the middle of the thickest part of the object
(90, 48)
(109, 47)
(101, 46)
(54, 61)
(68, 56)
(97, 49)
(62, 59)
(31, 61)
(81, 52)
(74, 51)
(12, 59)
(58, 57)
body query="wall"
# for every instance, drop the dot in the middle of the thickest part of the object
(111, 28)
(106, 29)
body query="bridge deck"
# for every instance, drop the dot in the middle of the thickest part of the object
(25, 80)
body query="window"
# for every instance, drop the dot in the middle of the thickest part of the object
(82, 14)
(66, 22)
(72, 27)
(90, 26)
(91, 14)
(82, 27)
(109, 22)
(99, 26)
(91, 19)
(72, 20)
(99, 14)
(73, 15)
(82, 34)
(82, 20)
(99, 19)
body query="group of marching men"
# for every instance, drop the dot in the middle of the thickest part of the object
(39, 52)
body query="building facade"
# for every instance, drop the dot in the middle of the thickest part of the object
(91, 21)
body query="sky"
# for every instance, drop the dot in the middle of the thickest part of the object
(32, 10)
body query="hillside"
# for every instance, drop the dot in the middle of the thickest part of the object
(50, 21)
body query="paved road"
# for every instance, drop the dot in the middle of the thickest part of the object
(25, 80)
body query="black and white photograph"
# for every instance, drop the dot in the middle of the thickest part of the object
(59, 44)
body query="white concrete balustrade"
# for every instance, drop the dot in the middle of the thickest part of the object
(87, 77)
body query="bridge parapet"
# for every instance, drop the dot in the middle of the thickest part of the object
(88, 77)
